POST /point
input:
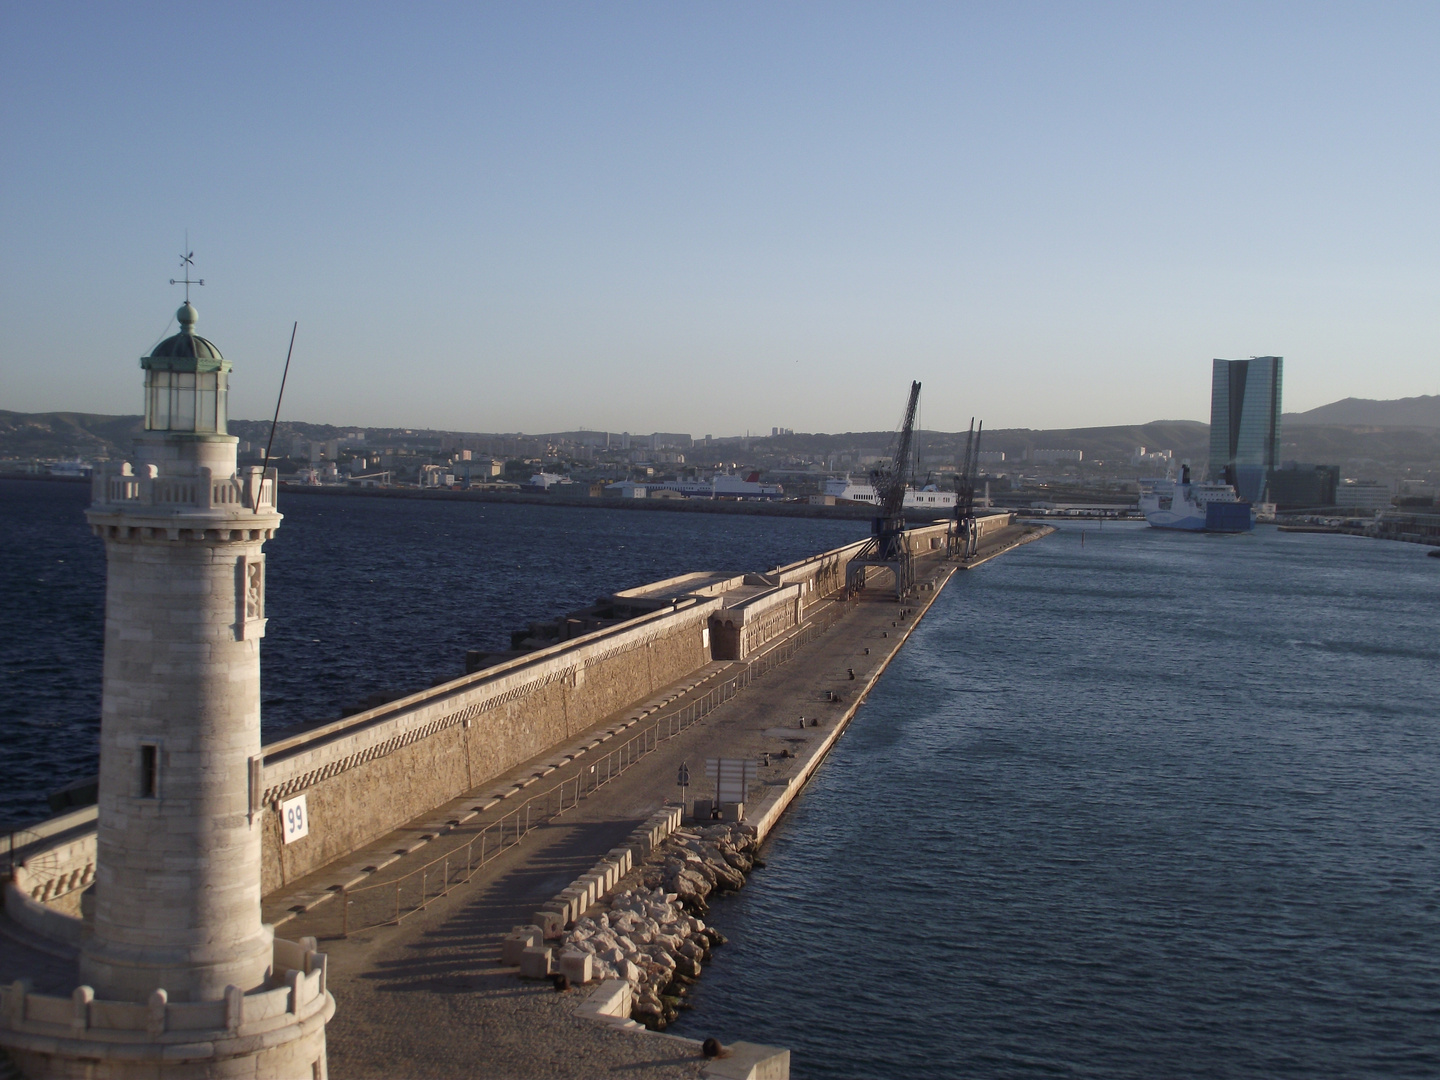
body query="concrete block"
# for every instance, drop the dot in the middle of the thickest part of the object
(576, 966)
(624, 859)
(750, 1061)
(517, 941)
(703, 809)
(579, 900)
(610, 1004)
(592, 886)
(732, 811)
(536, 962)
(550, 921)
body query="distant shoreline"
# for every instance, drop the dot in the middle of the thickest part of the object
(755, 508)
(761, 508)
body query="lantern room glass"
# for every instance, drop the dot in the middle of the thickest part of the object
(186, 401)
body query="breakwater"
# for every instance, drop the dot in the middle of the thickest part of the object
(637, 917)
(367, 774)
(1171, 795)
(368, 597)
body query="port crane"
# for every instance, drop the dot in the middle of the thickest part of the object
(887, 546)
(964, 532)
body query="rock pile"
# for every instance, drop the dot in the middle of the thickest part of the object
(653, 935)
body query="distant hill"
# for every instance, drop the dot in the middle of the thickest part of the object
(66, 434)
(1372, 439)
(1411, 412)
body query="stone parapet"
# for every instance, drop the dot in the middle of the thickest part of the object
(124, 488)
(276, 1031)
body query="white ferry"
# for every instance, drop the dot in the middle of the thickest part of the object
(929, 497)
(1168, 504)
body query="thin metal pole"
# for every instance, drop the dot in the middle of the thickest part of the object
(397, 901)
(345, 911)
(278, 398)
(424, 887)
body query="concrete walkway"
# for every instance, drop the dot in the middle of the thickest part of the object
(428, 997)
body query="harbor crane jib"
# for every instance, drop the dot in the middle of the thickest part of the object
(887, 546)
(964, 531)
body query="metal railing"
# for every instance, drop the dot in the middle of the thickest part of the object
(389, 903)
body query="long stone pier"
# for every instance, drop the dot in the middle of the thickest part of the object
(437, 822)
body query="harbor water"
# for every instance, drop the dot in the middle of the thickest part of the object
(1128, 804)
(1132, 804)
(365, 596)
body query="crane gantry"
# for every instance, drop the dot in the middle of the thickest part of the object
(887, 546)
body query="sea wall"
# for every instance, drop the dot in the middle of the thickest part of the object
(370, 773)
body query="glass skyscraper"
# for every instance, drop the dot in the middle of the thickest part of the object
(1245, 423)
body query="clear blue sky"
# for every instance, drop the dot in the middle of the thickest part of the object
(713, 217)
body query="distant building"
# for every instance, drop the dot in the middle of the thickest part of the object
(1299, 486)
(1363, 495)
(1245, 423)
(626, 489)
(990, 457)
(1055, 457)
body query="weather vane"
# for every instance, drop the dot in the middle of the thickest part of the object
(187, 263)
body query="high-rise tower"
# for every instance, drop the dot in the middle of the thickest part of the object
(1245, 423)
(179, 977)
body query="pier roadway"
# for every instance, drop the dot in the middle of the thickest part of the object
(428, 997)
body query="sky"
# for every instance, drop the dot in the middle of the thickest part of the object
(722, 217)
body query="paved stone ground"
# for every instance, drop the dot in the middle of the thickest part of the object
(428, 998)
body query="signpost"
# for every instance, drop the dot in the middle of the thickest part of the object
(732, 776)
(682, 781)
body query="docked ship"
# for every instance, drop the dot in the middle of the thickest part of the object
(929, 497)
(1194, 507)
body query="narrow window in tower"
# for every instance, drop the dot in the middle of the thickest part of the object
(149, 771)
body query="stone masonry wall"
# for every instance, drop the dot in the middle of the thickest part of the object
(369, 774)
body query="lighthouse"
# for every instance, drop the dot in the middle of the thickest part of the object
(176, 974)
(177, 895)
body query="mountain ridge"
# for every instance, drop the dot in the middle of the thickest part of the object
(1410, 412)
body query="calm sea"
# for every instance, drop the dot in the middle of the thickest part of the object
(1148, 806)
(363, 594)
(1155, 806)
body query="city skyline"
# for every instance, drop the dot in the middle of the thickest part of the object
(722, 219)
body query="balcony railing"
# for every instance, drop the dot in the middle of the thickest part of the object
(125, 487)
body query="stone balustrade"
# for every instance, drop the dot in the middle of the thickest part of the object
(122, 486)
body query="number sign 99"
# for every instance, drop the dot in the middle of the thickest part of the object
(295, 818)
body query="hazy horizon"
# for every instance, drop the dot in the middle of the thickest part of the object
(722, 218)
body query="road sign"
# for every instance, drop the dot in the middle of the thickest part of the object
(683, 779)
(732, 776)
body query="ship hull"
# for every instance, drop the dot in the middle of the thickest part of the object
(1184, 507)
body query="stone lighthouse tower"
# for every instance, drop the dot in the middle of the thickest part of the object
(177, 897)
(175, 950)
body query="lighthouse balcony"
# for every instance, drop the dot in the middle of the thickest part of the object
(124, 488)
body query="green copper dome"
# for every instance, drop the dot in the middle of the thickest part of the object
(187, 350)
